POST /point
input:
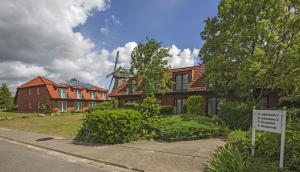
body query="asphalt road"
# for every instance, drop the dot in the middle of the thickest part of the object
(16, 157)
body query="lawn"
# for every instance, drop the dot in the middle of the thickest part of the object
(65, 125)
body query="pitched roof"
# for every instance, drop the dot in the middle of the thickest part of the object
(37, 81)
(197, 82)
(51, 87)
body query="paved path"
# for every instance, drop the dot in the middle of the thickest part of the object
(16, 157)
(189, 156)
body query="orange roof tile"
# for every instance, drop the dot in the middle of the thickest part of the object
(36, 81)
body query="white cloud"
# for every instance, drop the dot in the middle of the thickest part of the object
(182, 58)
(104, 29)
(115, 20)
(37, 38)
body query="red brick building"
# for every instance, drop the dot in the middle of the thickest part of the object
(188, 81)
(73, 95)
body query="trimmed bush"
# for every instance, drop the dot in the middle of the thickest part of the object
(236, 115)
(178, 128)
(111, 126)
(112, 104)
(195, 105)
(167, 110)
(134, 106)
(150, 111)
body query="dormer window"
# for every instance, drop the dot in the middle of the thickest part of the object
(62, 92)
(78, 94)
(132, 86)
(93, 95)
(182, 81)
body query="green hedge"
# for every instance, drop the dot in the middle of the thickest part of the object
(167, 110)
(111, 126)
(195, 105)
(236, 115)
(112, 104)
(134, 106)
(177, 128)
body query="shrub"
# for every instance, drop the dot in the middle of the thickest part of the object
(111, 126)
(150, 111)
(228, 159)
(294, 114)
(236, 115)
(167, 110)
(177, 128)
(268, 145)
(134, 106)
(195, 105)
(113, 104)
(267, 148)
(47, 109)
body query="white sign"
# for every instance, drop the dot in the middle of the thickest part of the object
(268, 120)
(271, 121)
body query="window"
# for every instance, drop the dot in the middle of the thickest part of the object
(182, 81)
(78, 94)
(62, 93)
(103, 95)
(132, 86)
(62, 106)
(78, 105)
(92, 104)
(180, 105)
(37, 90)
(29, 91)
(29, 105)
(93, 95)
(38, 105)
(263, 103)
(213, 105)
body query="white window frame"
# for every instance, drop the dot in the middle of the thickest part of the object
(78, 94)
(29, 91)
(76, 106)
(92, 104)
(93, 95)
(62, 106)
(62, 93)
(37, 91)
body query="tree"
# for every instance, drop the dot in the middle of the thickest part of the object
(6, 101)
(74, 79)
(252, 48)
(149, 67)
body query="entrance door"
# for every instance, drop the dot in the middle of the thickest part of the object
(62, 106)
(180, 103)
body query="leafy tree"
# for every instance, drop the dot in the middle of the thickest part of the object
(74, 79)
(6, 100)
(149, 67)
(252, 48)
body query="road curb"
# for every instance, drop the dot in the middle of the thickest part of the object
(76, 155)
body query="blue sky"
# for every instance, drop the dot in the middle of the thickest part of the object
(176, 22)
(62, 39)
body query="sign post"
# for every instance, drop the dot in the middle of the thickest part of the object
(271, 121)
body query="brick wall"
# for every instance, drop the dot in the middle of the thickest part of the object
(24, 99)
